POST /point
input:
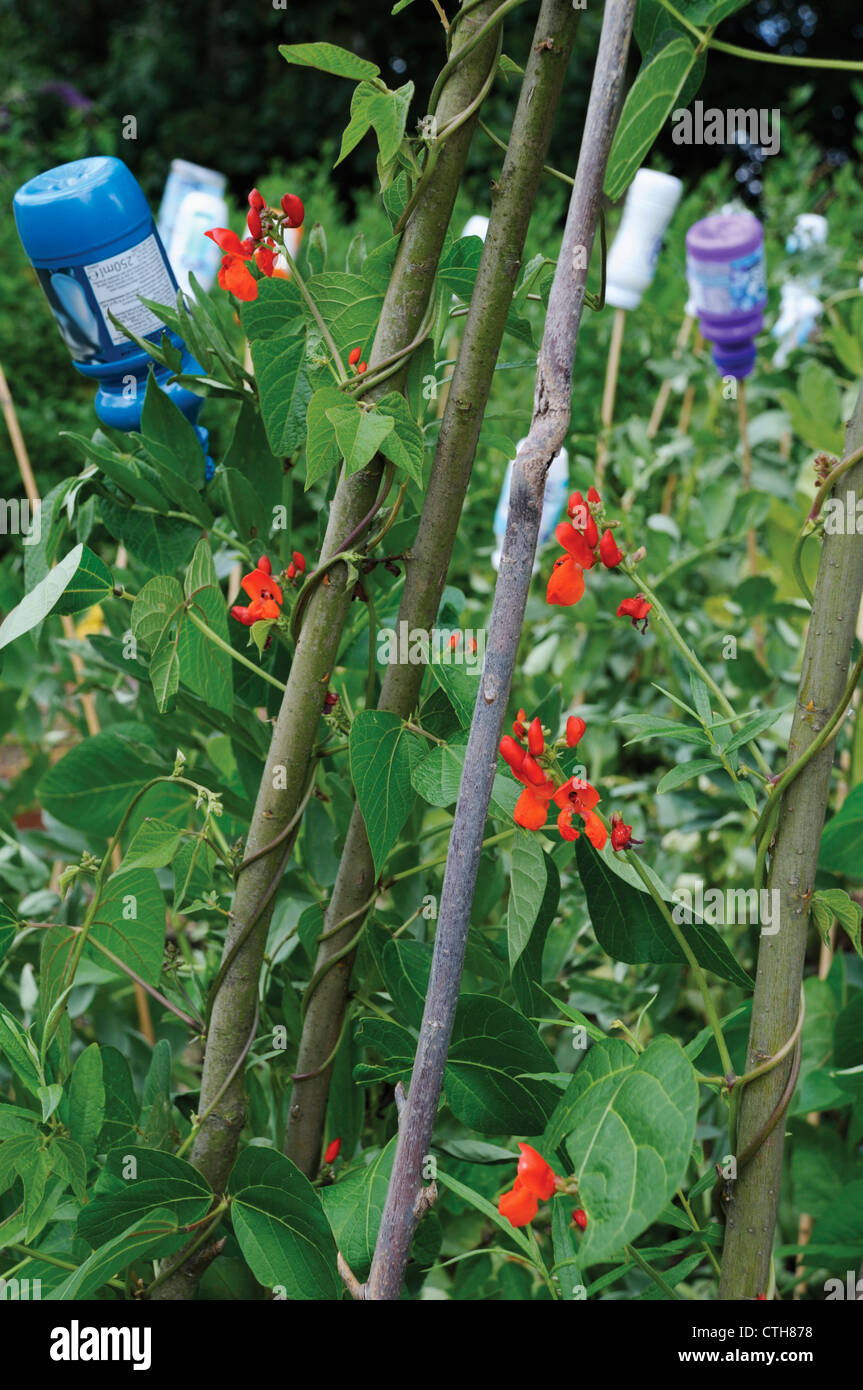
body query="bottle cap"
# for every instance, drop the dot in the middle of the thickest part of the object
(78, 211)
(476, 226)
(199, 173)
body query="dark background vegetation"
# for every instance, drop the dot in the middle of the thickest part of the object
(205, 80)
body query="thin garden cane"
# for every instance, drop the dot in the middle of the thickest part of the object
(406, 1196)
(826, 659)
(404, 310)
(426, 572)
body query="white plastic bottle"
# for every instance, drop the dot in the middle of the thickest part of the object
(190, 251)
(649, 207)
(554, 502)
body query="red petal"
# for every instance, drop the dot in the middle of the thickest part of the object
(566, 585)
(519, 1206)
(531, 810)
(575, 544)
(227, 241)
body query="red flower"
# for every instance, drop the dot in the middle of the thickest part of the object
(300, 561)
(330, 699)
(292, 207)
(577, 797)
(621, 835)
(519, 728)
(574, 506)
(236, 278)
(534, 1173)
(332, 1152)
(576, 545)
(566, 583)
(531, 809)
(591, 532)
(257, 200)
(264, 592)
(609, 553)
(535, 740)
(362, 368)
(580, 1218)
(575, 730)
(593, 495)
(519, 1205)
(229, 242)
(637, 609)
(265, 259)
(512, 753)
(354, 356)
(253, 221)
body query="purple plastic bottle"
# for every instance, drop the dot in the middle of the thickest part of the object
(727, 283)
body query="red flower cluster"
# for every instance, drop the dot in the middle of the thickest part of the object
(264, 592)
(581, 542)
(260, 246)
(535, 1182)
(536, 767)
(583, 545)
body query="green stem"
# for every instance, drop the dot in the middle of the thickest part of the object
(784, 59)
(234, 655)
(314, 311)
(652, 1273)
(689, 656)
(54, 1260)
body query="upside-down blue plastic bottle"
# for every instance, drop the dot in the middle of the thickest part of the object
(88, 231)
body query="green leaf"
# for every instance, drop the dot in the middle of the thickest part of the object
(754, 727)
(17, 1047)
(91, 786)
(160, 542)
(328, 57)
(90, 583)
(50, 1096)
(157, 617)
(350, 305)
(647, 105)
(70, 1162)
(135, 1181)
(130, 921)
(80, 571)
(386, 112)
(527, 890)
(828, 903)
(175, 451)
(382, 755)
(354, 1205)
(630, 927)
(684, 772)
(527, 971)
(567, 1255)
(460, 683)
(87, 1099)
(137, 1242)
(406, 966)
(359, 432)
(251, 519)
(322, 450)
(493, 1047)
(125, 470)
(281, 1227)
(153, 846)
(842, 841)
(437, 778)
(629, 1124)
(285, 391)
(404, 446)
(395, 1044)
(205, 667)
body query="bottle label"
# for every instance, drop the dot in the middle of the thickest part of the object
(728, 287)
(118, 281)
